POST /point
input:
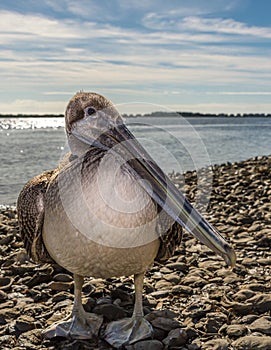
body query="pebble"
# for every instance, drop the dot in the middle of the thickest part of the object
(193, 300)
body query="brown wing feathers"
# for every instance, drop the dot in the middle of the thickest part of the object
(30, 207)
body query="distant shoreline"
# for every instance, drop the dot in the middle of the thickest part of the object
(154, 114)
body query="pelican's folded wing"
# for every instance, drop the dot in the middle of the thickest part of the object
(30, 208)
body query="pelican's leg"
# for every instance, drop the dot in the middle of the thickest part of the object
(130, 330)
(81, 324)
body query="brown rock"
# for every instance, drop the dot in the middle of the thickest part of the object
(25, 323)
(215, 320)
(60, 285)
(262, 325)
(216, 344)
(173, 278)
(160, 294)
(162, 284)
(184, 290)
(236, 330)
(178, 266)
(251, 342)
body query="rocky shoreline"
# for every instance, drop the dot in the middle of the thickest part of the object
(193, 301)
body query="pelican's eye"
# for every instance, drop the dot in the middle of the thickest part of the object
(90, 111)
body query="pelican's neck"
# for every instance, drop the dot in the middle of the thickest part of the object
(77, 147)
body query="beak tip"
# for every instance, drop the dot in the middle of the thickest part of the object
(230, 257)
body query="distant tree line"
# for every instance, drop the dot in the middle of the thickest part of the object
(31, 115)
(196, 114)
(153, 114)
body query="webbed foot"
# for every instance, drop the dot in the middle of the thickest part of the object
(79, 326)
(127, 331)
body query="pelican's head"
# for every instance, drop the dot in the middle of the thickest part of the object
(93, 121)
(88, 116)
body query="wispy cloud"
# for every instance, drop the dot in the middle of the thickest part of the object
(131, 51)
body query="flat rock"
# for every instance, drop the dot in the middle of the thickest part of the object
(262, 325)
(60, 285)
(251, 342)
(173, 278)
(178, 266)
(194, 281)
(166, 324)
(180, 289)
(160, 294)
(161, 313)
(236, 330)
(216, 344)
(63, 277)
(162, 284)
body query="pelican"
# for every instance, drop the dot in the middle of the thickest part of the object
(107, 210)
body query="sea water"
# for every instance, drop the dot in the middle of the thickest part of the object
(32, 145)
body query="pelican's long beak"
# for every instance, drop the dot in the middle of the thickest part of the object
(164, 192)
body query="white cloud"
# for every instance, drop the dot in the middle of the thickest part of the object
(232, 107)
(29, 106)
(225, 26)
(48, 57)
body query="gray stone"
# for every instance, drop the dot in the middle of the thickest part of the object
(161, 313)
(166, 324)
(146, 345)
(176, 337)
(110, 311)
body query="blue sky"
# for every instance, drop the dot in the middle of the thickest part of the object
(207, 56)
